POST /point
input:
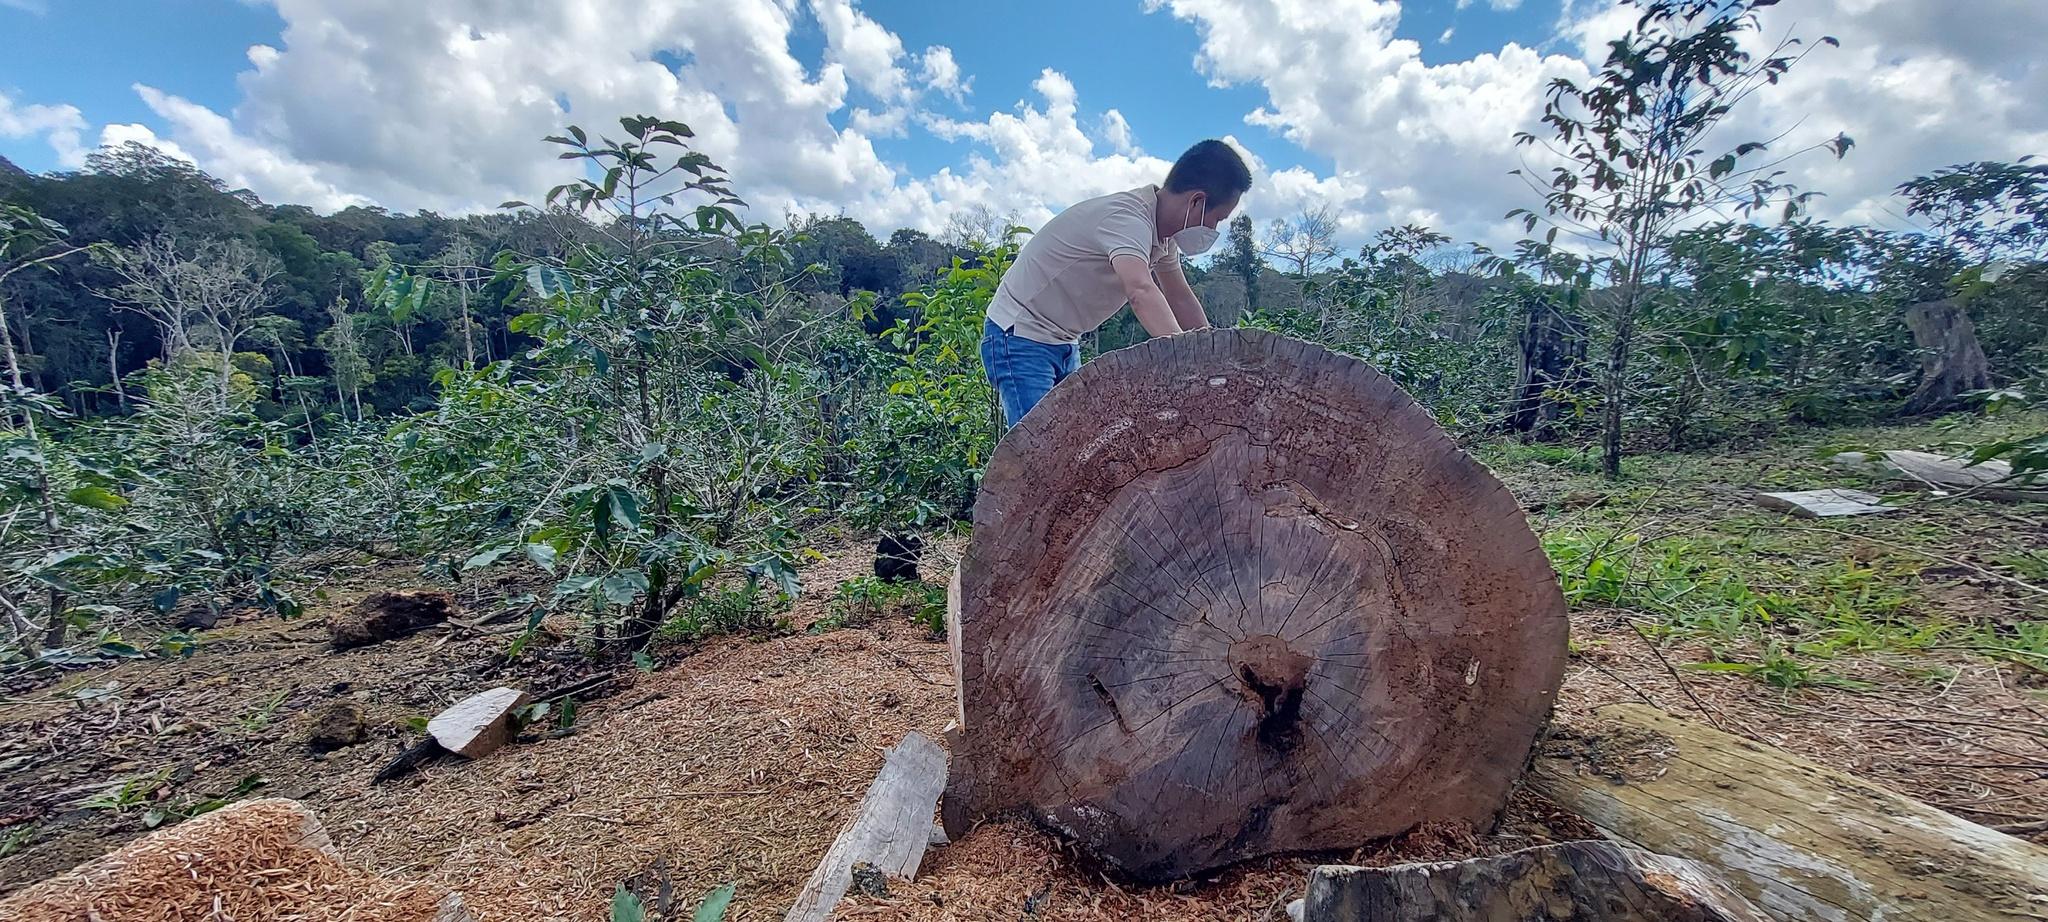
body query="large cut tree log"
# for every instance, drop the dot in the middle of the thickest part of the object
(1573, 882)
(1230, 594)
(1802, 841)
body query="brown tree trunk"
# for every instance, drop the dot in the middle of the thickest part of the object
(1231, 595)
(1951, 361)
(1553, 346)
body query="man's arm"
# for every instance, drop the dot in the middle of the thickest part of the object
(1187, 309)
(1155, 314)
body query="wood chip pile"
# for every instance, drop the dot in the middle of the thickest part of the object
(252, 862)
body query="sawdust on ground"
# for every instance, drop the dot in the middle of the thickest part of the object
(739, 762)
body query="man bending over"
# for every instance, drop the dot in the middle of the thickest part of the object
(1092, 259)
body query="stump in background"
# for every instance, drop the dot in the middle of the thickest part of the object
(1231, 594)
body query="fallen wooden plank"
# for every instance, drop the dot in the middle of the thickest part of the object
(477, 725)
(890, 832)
(1990, 480)
(1800, 840)
(1573, 882)
(1823, 504)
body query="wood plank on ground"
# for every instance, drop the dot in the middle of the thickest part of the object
(1823, 504)
(1802, 841)
(890, 831)
(1990, 480)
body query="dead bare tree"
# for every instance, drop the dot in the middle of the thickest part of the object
(456, 265)
(216, 288)
(1306, 242)
(977, 226)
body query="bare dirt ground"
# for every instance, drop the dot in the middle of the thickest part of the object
(739, 760)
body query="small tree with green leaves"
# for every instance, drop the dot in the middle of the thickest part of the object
(1636, 164)
(667, 436)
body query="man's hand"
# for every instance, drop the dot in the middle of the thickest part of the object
(1187, 309)
(1154, 312)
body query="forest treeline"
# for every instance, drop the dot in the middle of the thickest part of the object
(632, 389)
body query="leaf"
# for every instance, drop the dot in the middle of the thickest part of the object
(99, 498)
(623, 587)
(624, 506)
(714, 905)
(166, 599)
(542, 555)
(626, 907)
(486, 557)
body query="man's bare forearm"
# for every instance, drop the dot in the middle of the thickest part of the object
(1155, 314)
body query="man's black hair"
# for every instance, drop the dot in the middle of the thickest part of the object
(1210, 166)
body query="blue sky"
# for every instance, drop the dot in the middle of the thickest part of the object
(89, 53)
(1388, 112)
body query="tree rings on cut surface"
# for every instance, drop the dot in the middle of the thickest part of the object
(1231, 594)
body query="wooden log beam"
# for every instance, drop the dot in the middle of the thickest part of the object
(889, 833)
(1229, 595)
(1573, 882)
(1800, 840)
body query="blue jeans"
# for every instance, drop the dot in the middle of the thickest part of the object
(1023, 370)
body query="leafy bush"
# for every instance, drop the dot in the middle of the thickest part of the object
(919, 459)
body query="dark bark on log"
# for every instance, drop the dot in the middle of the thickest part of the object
(1800, 840)
(1574, 882)
(410, 760)
(1553, 349)
(1231, 595)
(1951, 361)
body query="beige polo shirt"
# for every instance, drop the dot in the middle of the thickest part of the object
(1061, 284)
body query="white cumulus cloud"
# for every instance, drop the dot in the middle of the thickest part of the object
(441, 105)
(1916, 86)
(60, 126)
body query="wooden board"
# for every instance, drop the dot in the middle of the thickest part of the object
(1930, 471)
(1230, 594)
(1573, 882)
(1824, 504)
(1801, 841)
(890, 832)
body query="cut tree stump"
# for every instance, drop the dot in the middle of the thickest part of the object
(1573, 882)
(1801, 841)
(253, 861)
(388, 616)
(888, 835)
(1230, 594)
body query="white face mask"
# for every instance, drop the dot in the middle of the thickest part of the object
(1197, 238)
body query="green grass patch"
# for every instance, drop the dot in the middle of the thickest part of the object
(1773, 598)
(864, 600)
